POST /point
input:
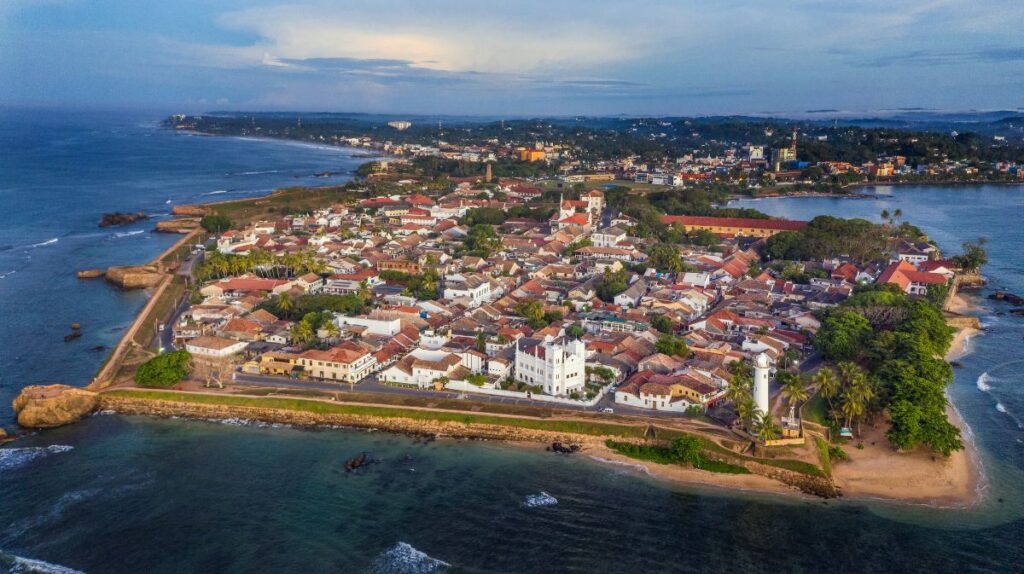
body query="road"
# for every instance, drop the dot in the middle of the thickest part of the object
(371, 385)
(165, 339)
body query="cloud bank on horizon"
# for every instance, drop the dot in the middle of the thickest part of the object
(528, 57)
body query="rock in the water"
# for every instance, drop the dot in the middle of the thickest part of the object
(183, 225)
(46, 406)
(135, 276)
(90, 273)
(119, 218)
(1010, 298)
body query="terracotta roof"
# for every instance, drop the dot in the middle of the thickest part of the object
(737, 222)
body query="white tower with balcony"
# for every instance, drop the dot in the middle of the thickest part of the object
(761, 366)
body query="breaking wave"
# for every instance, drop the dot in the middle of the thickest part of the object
(218, 192)
(982, 383)
(15, 457)
(129, 233)
(7, 274)
(634, 466)
(19, 565)
(542, 499)
(239, 422)
(402, 558)
(45, 243)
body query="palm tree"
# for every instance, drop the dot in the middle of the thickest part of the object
(285, 302)
(793, 389)
(828, 385)
(746, 409)
(898, 214)
(766, 428)
(886, 217)
(302, 333)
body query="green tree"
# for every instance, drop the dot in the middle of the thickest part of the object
(661, 323)
(766, 428)
(842, 335)
(665, 258)
(687, 449)
(215, 223)
(482, 241)
(792, 388)
(164, 371)
(672, 346)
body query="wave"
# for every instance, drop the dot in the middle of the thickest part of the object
(542, 499)
(402, 558)
(168, 202)
(20, 565)
(982, 383)
(129, 233)
(15, 457)
(239, 422)
(632, 465)
(8, 273)
(47, 242)
(256, 172)
(218, 192)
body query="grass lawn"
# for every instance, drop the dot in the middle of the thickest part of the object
(662, 455)
(815, 410)
(320, 407)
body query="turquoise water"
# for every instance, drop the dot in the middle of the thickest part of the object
(135, 494)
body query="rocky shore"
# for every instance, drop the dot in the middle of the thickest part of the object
(182, 225)
(134, 276)
(118, 218)
(48, 406)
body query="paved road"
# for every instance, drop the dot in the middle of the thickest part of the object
(165, 339)
(370, 385)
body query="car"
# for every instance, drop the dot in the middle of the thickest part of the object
(608, 410)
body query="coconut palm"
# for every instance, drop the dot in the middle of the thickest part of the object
(766, 428)
(285, 302)
(885, 216)
(793, 389)
(828, 385)
(302, 333)
(746, 409)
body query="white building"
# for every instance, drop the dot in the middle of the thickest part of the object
(761, 366)
(383, 327)
(215, 347)
(608, 237)
(422, 367)
(474, 290)
(559, 367)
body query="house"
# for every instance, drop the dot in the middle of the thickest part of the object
(909, 279)
(214, 347)
(244, 285)
(608, 237)
(382, 327)
(473, 290)
(345, 283)
(632, 295)
(677, 393)
(345, 363)
(557, 366)
(422, 367)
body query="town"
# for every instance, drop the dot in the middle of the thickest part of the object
(483, 289)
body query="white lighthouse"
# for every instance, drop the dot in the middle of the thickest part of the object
(761, 382)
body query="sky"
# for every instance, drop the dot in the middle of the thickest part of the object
(555, 57)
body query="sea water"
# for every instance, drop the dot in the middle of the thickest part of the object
(138, 494)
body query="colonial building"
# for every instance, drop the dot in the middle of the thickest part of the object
(559, 367)
(734, 226)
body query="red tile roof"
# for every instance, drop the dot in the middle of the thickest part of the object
(737, 222)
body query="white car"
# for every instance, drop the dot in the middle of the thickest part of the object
(608, 410)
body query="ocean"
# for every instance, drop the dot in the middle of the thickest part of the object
(137, 494)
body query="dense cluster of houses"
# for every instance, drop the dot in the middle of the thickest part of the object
(472, 334)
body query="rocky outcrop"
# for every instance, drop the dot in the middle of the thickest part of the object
(118, 218)
(90, 273)
(46, 406)
(183, 225)
(963, 322)
(134, 276)
(4, 437)
(191, 210)
(1010, 298)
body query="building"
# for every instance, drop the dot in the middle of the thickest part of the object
(382, 327)
(668, 392)
(474, 290)
(734, 226)
(531, 155)
(909, 279)
(214, 347)
(422, 367)
(558, 367)
(348, 364)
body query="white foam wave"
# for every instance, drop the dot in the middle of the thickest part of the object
(1000, 408)
(44, 243)
(9, 273)
(19, 565)
(634, 466)
(15, 457)
(542, 499)
(402, 558)
(257, 172)
(240, 422)
(982, 383)
(218, 192)
(129, 233)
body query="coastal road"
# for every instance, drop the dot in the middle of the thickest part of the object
(371, 385)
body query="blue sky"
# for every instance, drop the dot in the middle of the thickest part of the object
(517, 58)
